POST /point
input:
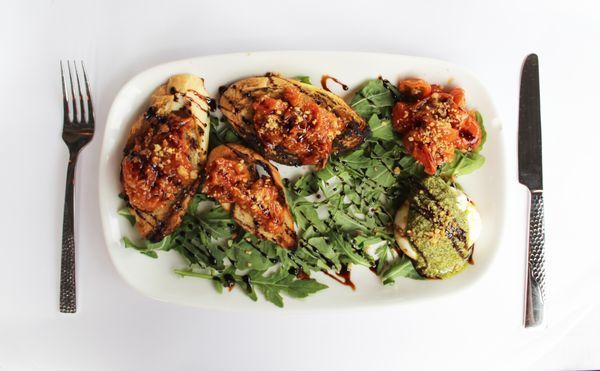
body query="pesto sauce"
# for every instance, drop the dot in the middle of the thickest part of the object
(437, 230)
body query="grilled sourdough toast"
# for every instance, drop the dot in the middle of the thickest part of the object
(165, 152)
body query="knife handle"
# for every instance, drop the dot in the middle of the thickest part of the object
(534, 289)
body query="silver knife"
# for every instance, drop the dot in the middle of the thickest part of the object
(530, 175)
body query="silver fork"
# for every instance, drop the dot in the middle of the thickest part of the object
(78, 130)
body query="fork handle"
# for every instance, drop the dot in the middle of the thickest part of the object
(535, 276)
(68, 302)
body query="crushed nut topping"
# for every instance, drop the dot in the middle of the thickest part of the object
(434, 123)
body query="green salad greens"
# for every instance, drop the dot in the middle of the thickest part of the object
(344, 214)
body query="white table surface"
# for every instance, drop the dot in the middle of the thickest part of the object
(118, 329)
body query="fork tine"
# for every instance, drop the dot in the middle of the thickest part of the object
(65, 95)
(81, 107)
(72, 94)
(90, 108)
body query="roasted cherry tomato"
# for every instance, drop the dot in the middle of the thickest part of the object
(434, 123)
(401, 117)
(415, 88)
(435, 88)
(422, 154)
(458, 95)
(469, 134)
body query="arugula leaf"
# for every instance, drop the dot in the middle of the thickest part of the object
(375, 98)
(191, 273)
(304, 186)
(325, 249)
(308, 260)
(218, 285)
(381, 129)
(382, 174)
(217, 222)
(126, 213)
(347, 223)
(221, 132)
(164, 244)
(356, 160)
(133, 245)
(303, 79)
(411, 167)
(303, 288)
(364, 241)
(306, 216)
(229, 278)
(246, 256)
(402, 267)
(463, 163)
(281, 281)
(347, 249)
(149, 248)
(479, 119)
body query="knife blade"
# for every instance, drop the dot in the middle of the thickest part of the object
(530, 126)
(530, 175)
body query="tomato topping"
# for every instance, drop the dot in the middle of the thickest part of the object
(435, 88)
(434, 123)
(469, 133)
(415, 88)
(431, 144)
(402, 117)
(229, 180)
(458, 95)
(296, 124)
(158, 163)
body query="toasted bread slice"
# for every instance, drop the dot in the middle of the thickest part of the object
(166, 149)
(237, 100)
(245, 215)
